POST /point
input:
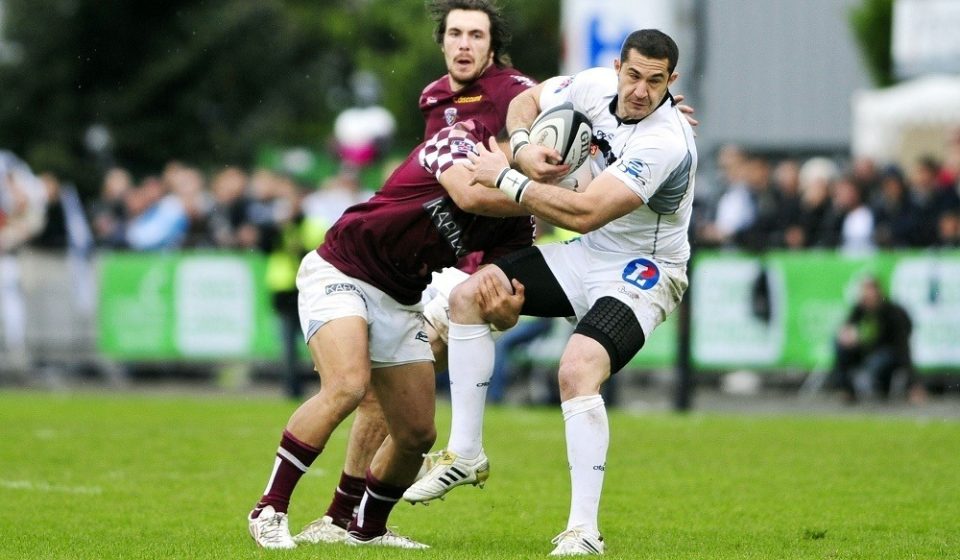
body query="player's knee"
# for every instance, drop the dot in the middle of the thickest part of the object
(418, 437)
(348, 391)
(577, 377)
(463, 302)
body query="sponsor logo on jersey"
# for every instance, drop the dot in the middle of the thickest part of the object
(422, 336)
(564, 84)
(340, 287)
(431, 100)
(642, 273)
(441, 214)
(525, 81)
(467, 99)
(450, 115)
(636, 169)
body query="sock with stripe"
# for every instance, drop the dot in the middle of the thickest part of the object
(293, 459)
(378, 500)
(346, 499)
(588, 437)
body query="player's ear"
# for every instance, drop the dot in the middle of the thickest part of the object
(673, 78)
(616, 65)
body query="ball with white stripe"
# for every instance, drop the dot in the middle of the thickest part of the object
(566, 130)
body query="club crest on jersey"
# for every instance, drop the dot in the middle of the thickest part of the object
(450, 115)
(642, 273)
(637, 169)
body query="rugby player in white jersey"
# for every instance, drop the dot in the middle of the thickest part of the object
(620, 279)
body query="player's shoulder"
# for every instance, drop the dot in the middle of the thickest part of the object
(437, 86)
(508, 74)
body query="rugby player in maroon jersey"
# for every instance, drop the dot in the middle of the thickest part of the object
(479, 85)
(360, 311)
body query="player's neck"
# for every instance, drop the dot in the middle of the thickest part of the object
(457, 85)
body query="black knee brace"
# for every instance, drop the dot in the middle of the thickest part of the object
(613, 324)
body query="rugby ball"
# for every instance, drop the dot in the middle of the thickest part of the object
(566, 130)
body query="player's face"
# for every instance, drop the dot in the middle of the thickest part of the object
(466, 46)
(642, 84)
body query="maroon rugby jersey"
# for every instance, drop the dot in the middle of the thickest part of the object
(485, 100)
(411, 227)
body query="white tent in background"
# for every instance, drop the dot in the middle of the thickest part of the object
(899, 123)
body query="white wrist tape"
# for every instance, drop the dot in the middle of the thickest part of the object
(519, 138)
(512, 182)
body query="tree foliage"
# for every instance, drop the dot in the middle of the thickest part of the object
(872, 23)
(211, 81)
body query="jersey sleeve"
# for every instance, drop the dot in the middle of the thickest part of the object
(448, 147)
(582, 89)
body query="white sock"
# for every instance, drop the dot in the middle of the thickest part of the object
(588, 436)
(471, 353)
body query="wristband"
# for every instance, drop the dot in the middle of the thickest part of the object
(512, 183)
(518, 139)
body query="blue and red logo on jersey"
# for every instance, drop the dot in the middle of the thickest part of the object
(642, 273)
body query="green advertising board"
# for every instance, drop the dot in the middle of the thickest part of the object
(162, 306)
(770, 312)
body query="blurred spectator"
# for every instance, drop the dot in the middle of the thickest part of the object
(872, 345)
(864, 173)
(22, 215)
(761, 233)
(816, 184)
(108, 214)
(848, 225)
(892, 210)
(188, 185)
(786, 183)
(157, 219)
(735, 210)
(928, 200)
(948, 229)
(231, 209)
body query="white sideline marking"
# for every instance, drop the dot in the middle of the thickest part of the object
(47, 487)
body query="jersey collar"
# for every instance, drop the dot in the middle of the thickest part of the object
(613, 108)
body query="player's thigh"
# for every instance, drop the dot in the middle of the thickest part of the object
(407, 397)
(544, 294)
(339, 350)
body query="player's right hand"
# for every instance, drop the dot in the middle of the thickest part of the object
(542, 164)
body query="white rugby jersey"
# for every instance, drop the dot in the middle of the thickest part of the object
(656, 158)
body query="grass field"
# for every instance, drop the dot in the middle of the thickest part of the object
(122, 476)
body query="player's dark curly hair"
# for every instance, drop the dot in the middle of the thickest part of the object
(652, 43)
(499, 28)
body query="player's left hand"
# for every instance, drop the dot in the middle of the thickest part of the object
(497, 305)
(487, 164)
(687, 110)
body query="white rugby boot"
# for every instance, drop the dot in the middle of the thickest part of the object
(271, 529)
(429, 460)
(322, 530)
(388, 539)
(578, 541)
(449, 472)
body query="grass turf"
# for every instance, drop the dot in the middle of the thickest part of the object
(122, 476)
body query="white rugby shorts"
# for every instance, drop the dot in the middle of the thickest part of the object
(652, 290)
(396, 331)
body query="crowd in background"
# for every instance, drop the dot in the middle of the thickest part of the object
(756, 203)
